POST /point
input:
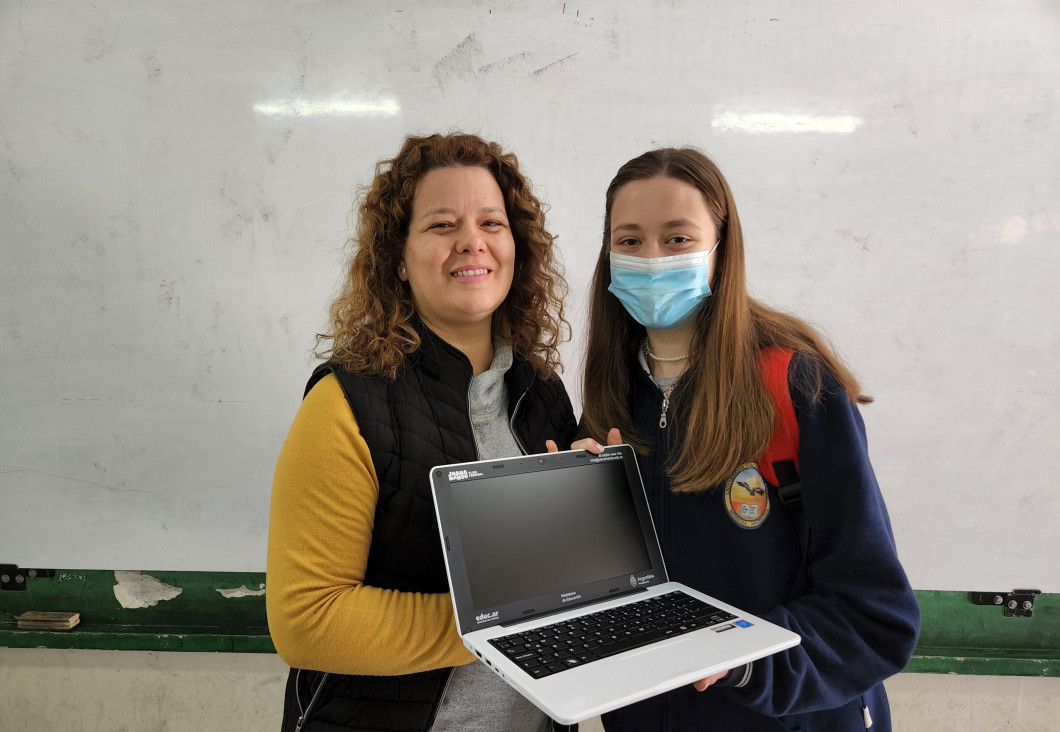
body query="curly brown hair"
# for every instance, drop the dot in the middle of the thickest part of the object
(371, 321)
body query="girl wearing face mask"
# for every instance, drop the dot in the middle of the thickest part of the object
(678, 361)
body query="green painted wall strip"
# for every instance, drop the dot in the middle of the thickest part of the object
(950, 620)
(959, 637)
(947, 661)
(956, 637)
(144, 639)
(92, 593)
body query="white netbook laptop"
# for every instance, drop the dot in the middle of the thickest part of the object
(559, 585)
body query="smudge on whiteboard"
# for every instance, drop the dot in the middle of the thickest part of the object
(459, 62)
(1014, 230)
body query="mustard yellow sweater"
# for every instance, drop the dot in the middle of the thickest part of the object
(321, 614)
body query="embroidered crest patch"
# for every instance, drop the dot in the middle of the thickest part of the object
(747, 497)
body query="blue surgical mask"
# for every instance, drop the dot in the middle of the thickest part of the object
(661, 293)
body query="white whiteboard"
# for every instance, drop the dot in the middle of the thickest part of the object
(175, 187)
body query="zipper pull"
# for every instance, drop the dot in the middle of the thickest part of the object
(665, 406)
(867, 716)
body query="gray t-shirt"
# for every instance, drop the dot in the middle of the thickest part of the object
(476, 700)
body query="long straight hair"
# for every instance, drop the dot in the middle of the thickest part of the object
(727, 413)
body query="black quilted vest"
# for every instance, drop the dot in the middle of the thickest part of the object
(411, 424)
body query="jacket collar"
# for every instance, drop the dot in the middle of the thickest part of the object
(445, 362)
(439, 359)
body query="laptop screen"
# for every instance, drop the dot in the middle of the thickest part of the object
(538, 533)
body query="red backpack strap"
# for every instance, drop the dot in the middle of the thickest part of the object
(773, 363)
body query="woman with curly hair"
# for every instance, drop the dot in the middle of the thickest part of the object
(442, 348)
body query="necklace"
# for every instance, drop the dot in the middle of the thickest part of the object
(668, 391)
(666, 359)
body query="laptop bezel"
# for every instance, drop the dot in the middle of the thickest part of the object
(471, 618)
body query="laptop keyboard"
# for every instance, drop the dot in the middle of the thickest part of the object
(544, 651)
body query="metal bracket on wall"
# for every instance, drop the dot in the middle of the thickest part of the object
(1016, 604)
(13, 577)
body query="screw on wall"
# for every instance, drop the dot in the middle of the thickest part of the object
(13, 577)
(1015, 604)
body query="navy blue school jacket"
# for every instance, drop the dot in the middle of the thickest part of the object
(848, 597)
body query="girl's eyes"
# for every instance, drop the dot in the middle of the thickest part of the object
(672, 241)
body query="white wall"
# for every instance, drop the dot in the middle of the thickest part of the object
(175, 180)
(130, 691)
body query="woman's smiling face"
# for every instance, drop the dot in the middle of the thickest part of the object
(460, 254)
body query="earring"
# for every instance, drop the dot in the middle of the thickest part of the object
(403, 273)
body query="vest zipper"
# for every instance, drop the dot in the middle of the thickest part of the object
(303, 716)
(511, 424)
(471, 422)
(434, 714)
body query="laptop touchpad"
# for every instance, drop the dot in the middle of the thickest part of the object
(673, 659)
